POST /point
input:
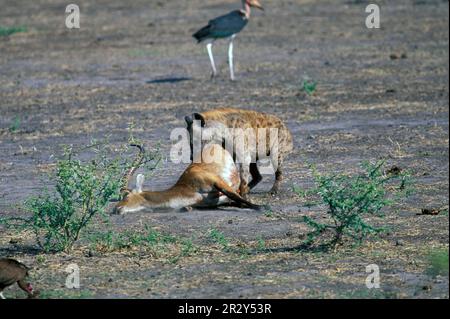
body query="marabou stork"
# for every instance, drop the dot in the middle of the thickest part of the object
(11, 272)
(226, 26)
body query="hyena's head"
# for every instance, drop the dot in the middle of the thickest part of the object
(203, 132)
(194, 125)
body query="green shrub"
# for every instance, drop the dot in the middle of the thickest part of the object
(7, 31)
(438, 260)
(83, 190)
(15, 125)
(349, 199)
(112, 240)
(309, 86)
(219, 238)
(173, 247)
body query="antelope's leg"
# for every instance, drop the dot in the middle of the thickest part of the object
(1, 295)
(223, 187)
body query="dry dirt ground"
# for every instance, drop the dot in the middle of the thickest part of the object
(380, 94)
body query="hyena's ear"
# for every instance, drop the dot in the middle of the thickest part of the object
(139, 183)
(199, 117)
(188, 120)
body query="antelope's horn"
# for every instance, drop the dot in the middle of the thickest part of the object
(136, 164)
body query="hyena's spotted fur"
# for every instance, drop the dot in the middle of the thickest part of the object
(221, 120)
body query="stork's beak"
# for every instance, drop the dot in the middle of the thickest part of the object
(256, 4)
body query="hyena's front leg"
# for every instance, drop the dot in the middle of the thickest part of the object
(244, 171)
(244, 189)
(243, 159)
(256, 175)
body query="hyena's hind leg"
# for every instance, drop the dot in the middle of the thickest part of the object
(256, 175)
(278, 177)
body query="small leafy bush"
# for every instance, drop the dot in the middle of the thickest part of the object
(156, 244)
(218, 237)
(15, 125)
(349, 199)
(438, 260)
(7, 31)
(309, 86)
(112, 241)
(82, 191)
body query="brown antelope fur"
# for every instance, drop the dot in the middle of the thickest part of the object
(201, 185)
(247, 119)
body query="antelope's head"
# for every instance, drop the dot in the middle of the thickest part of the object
(132, 200)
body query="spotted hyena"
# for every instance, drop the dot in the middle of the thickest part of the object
(249, 135)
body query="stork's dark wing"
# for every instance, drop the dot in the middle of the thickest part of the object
(223, 26)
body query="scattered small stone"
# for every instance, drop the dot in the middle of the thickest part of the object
(90, 253)
(430, 211)
(394, 170)
(110, 280)
(13, 241)
(391, 91)
(395, 56)
(288, 234)
(230, 221)
(427, 287)
(399, 242)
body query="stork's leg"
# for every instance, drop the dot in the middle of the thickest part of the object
(211, 58)
(1, 295)
(230, 57)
